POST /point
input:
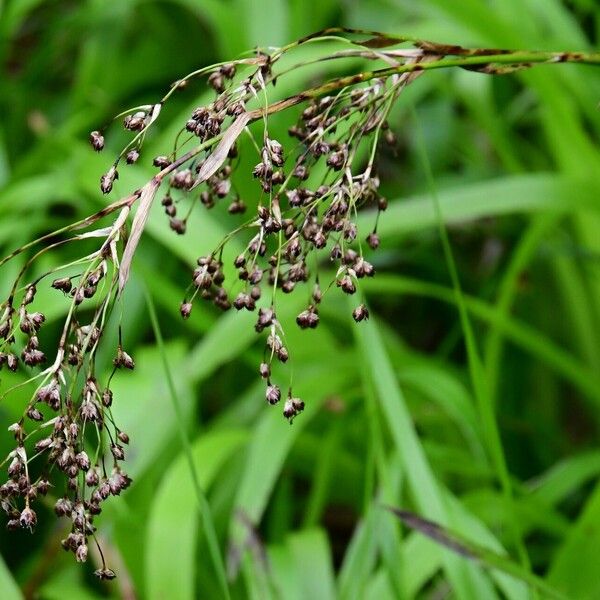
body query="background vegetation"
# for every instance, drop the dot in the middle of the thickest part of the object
(402, 411)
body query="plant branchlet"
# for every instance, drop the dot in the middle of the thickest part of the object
(311, 188)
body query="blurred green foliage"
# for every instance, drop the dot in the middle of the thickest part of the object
(399, 410)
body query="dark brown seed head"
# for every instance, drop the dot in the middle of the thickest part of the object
(273, 394)
(265, 370)
(97, 141)
(360, 313)
(107, 180)
(132, 157)
(162, 162)
(185, 309)
(373, 240)
(177, 225)
(28, 518)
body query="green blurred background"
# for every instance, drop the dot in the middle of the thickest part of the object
(400, 411)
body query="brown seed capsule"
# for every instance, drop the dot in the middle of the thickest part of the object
(105, 574)
(136, 121)
(216, 81)
(162, 162)
(264, 370)
(273, 394)
(97, 141)
(360, 313)
(132, 157)
(81, 553)
(82, 460)
(373, 240)
(346, 284)
(92, 478)
(28, 518)
(185, 309)
(308, 319)
(107, 180)
(177, 225)
(107, 398)
(123, 359)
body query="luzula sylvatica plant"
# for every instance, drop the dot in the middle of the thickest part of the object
(68, 446)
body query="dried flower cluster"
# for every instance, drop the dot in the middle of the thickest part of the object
(311, 186)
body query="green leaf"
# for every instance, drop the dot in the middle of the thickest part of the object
(472, 551)
(514, 194)
(9, 587)
(172, 532)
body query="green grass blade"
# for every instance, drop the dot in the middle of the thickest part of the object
(203, 506)
(472, 551)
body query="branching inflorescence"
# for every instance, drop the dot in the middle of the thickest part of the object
(311, 191)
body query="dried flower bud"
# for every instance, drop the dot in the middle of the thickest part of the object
(89, 411)
(107, 398)
(81, 553)
(123, 437)
(177, 225)
(107, 180)
(64, 284)
(63, 507)
(265, 318)
(28, 518)
(29, 295)
(91, 477)
(217, 81)
(162, 162)
(82, 460)
(264, 370)
(373, 240)
(308, 318)
(346, 284)
(117, 451)
(12, 362)
(185, 309)
(132, 157)
(105, 574)
(135, 122)
(97, 141)
(34, 414)
(360, 313)
(273, 394)
(123, 359)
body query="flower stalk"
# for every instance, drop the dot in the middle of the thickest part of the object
(311, 190)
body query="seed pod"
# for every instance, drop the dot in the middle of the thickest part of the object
(107, 180)
(132, 157)
(64, 284)
(346, 284)
(81, 553)
(373, 240)
(29, 295)
(360, 313)
(91, 477)
(273, 394)
(105, 574)
(97, 140)
(82, 460)
(308, 319)
(162, 162)
(185, 309)
(28, 518)
(177, 225)
(107, 398)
